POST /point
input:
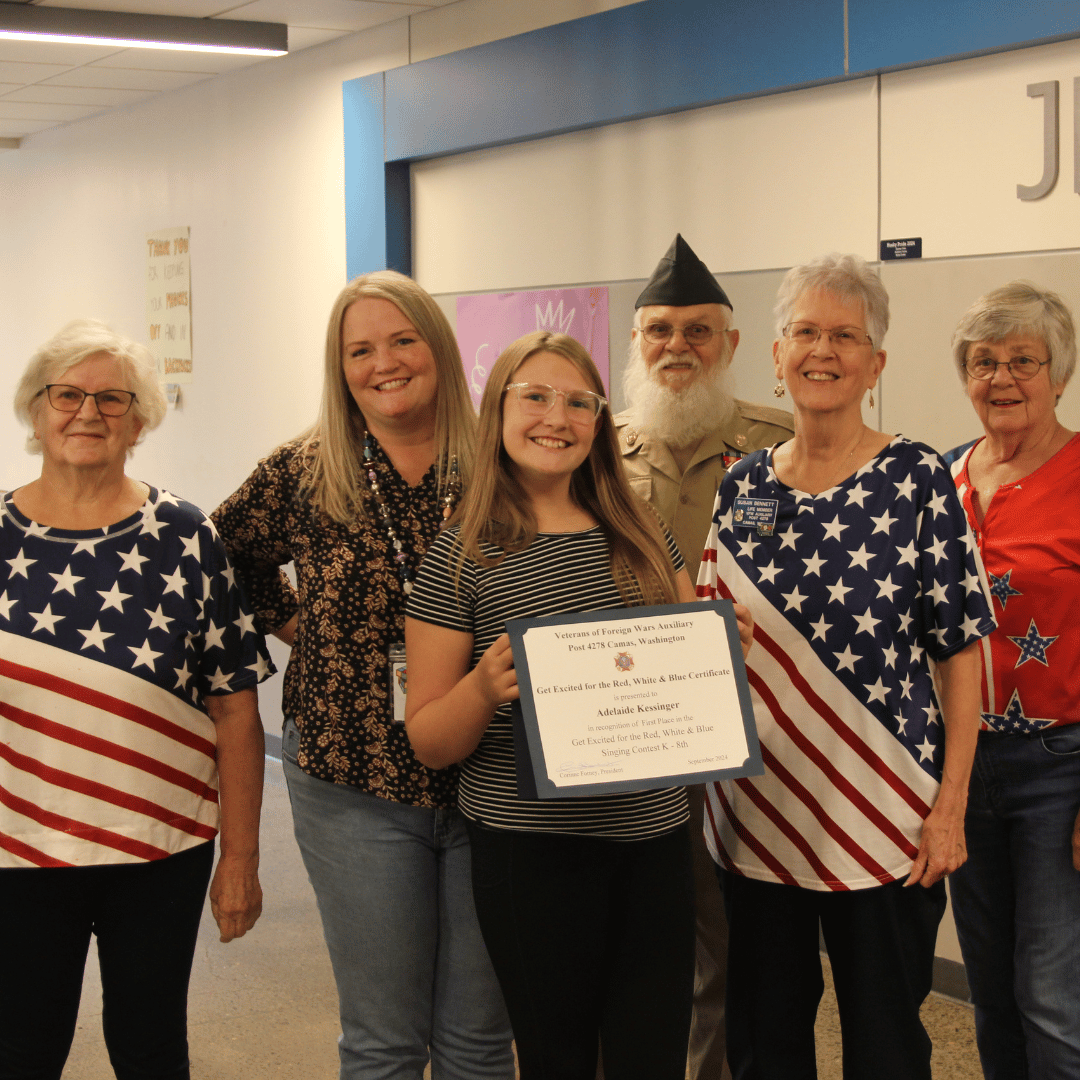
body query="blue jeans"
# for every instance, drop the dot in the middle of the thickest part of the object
(1017, 904)
(393, 883)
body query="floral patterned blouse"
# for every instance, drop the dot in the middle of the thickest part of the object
(351, 611)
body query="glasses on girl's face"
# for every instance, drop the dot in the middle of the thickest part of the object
(538, 399)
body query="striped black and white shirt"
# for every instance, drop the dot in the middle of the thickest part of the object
(558, 573)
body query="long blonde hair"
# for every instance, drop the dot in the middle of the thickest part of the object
(335, 482)
(497, 510)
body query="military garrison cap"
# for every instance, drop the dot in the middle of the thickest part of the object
(681, 279)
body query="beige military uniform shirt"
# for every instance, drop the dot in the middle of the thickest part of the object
(685, 501)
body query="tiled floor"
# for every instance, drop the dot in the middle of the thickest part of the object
(265, 1006)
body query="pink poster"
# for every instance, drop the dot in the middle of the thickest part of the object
(487, 324)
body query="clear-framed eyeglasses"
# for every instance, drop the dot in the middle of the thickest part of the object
(538, 399)
(69, 399)
(843, 338)
(660, 333)
(1020, 368)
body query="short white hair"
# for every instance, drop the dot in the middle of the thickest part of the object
(77, 341)
(1020, 308)
(846, 276)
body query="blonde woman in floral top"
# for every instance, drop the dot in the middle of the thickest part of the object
(354, 505)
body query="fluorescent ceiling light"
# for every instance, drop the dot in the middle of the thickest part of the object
(129, 30)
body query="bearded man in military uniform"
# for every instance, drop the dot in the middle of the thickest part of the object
(680, 433)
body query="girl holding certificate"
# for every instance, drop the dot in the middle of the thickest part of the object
(585, 903)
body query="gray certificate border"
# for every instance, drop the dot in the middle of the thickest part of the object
(532, 773)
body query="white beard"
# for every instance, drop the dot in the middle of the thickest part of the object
(676, 417)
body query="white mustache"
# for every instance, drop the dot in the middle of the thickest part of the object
(682, 359)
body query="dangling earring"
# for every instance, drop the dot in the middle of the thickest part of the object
(779, 390)
(871, 397)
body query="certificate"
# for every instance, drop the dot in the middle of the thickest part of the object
(629, 699)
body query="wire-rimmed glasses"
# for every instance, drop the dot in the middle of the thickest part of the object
(660, 333)
(1020, 368)
(843, 338)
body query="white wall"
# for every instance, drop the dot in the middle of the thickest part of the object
(252, 162)
(603, 204)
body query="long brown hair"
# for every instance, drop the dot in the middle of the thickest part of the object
(497, 510)
(335, 483)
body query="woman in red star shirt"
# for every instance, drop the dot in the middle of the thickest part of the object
(1017, 899)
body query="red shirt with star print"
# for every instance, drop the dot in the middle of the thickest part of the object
(1030, 544)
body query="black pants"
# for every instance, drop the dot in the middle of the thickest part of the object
(146, 919)
(593, 944)
(881, 948)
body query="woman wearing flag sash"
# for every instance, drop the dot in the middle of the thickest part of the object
(864, 588)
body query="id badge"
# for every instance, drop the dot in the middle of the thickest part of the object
(759, 514)
(398, 680)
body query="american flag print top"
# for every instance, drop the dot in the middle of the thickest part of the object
(855, 595)
(110, 641)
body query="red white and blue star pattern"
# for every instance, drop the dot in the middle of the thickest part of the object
(857, 592)
(1030, 542)
(110, 640)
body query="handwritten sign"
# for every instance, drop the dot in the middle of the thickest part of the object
(168, 302)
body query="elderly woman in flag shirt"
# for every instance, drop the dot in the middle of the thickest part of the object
(851, 550)
(128, 665)
(1017, 900)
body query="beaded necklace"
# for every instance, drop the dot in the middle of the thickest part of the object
(449, 499)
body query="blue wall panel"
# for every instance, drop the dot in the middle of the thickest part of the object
(886, 34)
(634, 61)
(365, 181)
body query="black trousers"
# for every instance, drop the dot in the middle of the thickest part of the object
(146, 919)
(593, 944)
(881, 949)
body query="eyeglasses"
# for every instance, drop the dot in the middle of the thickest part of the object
(843, 338)
(69, 399)
(538, 399)
(1020, 368)
(659, 333)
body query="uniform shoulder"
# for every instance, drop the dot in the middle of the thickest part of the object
(629, 437)
(765, 414)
